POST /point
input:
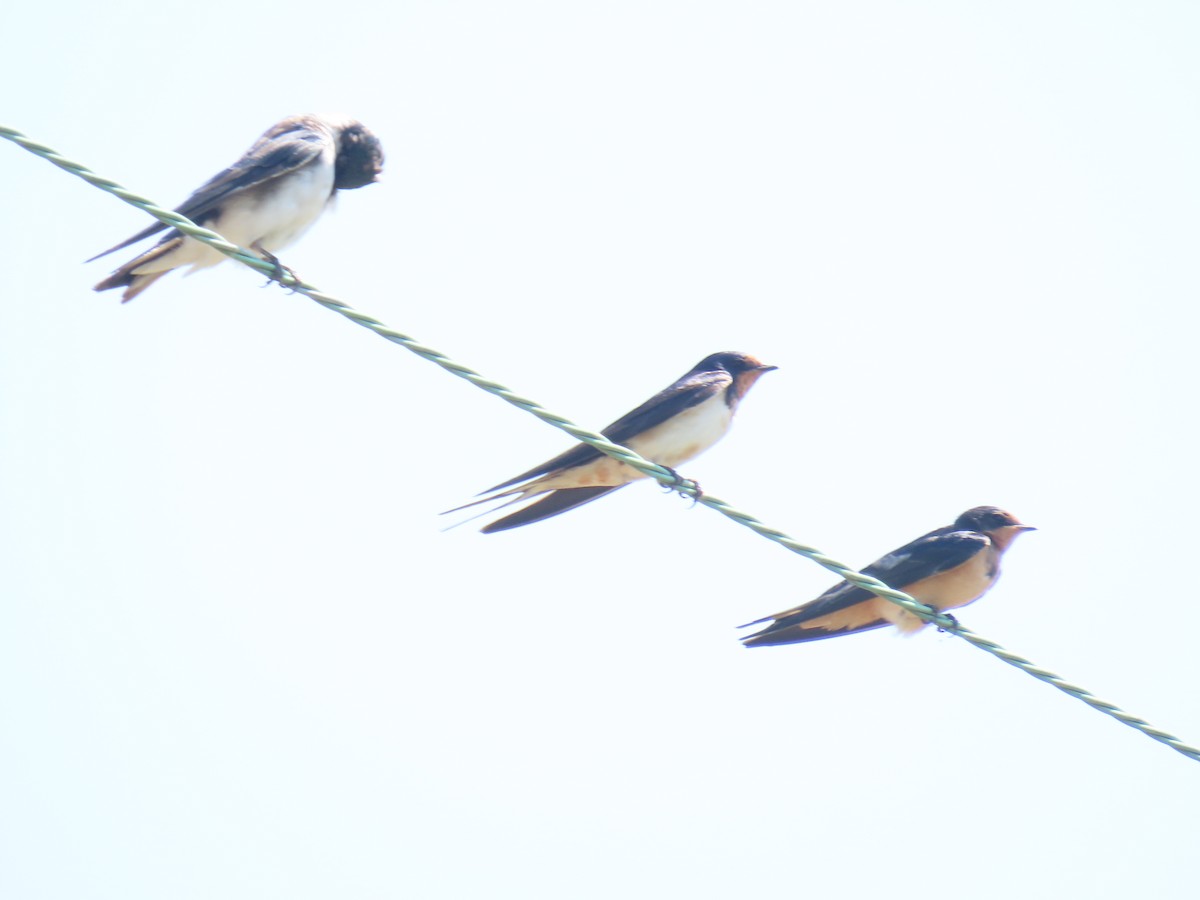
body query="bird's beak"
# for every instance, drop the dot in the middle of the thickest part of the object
(1026, 528)
(766, 368)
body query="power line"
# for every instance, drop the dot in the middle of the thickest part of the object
(664, 476)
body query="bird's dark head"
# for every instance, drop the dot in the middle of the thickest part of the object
(1000, 525)
(744, 368)
(359, 157)
(732, 362)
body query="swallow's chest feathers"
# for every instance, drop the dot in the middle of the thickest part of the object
(686, 435)
(961, 585)
(277, 214)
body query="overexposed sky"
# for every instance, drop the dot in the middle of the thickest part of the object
(239, 657)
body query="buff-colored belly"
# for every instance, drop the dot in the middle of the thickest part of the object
(947, 590)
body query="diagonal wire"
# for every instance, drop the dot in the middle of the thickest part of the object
(664, 476)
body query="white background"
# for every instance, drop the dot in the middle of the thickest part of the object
(238, 657)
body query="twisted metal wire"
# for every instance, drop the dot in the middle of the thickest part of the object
(663, 475)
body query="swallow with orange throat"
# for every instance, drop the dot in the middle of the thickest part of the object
(264, 201)
(675, 425)
(947, 568)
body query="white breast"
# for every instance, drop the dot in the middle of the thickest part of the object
(687, 435)
(673, 443)
(276, 218)
(273, 219)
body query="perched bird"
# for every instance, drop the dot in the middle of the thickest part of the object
(675, 425)
(945, 569)
(264, 201)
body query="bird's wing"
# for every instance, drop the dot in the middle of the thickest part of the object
(938, 551)
(664, 405)
(273, 155)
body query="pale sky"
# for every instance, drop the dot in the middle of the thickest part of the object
(240, 658)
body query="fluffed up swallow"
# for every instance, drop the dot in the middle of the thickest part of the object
(675, 425)
(945, 569)
(264, 201)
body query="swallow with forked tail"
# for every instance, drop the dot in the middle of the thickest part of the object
(264, 201)
(672, 427)
(945, 569)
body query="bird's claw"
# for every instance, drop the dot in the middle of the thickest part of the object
(680, 485)
(952, 628)
(278, 270)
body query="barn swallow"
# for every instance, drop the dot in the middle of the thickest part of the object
(945, 569)
(264, 201)
(672, 427)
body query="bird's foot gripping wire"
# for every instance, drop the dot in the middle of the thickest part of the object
(683, 486)
(952, 628)
(279, 271)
